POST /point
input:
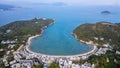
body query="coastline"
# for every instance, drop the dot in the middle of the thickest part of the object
(92, 51)
(79, 40)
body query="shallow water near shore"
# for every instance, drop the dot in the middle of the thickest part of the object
(57, 39)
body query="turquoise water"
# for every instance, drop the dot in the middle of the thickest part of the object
(57, 38)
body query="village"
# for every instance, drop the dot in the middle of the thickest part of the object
(24, 58)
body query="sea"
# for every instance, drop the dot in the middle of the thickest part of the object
(58, 39)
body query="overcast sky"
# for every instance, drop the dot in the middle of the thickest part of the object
(68, 2)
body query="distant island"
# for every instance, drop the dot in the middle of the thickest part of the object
(5, 7)
(100, 33)
(105, 12)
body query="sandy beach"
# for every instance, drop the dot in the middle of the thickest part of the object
(83, 54)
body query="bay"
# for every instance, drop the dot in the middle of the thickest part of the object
(57, 39)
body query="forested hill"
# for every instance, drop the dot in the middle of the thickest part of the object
(23, 29)
(101, 33)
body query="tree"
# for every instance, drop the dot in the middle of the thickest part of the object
(10, 58)
(54, 65)
(38, 66)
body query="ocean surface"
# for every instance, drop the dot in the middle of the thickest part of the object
(57, 39)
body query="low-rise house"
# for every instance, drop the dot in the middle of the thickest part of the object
(17, 65)
(117, 52)
(12, 62)
(1, 50)
(5, 62)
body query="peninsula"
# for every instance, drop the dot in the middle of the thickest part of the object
(100, 33)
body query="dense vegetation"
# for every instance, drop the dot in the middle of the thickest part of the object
(108, 60)
(38, 66)
(22, 29)
(110, 33)
(54, 65)
(10, 58)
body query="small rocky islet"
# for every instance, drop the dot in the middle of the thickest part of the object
(106, 12)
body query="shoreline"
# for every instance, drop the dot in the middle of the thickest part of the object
(91, 52)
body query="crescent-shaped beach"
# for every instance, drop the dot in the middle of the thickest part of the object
(91, 52)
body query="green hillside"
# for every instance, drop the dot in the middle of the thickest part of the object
(21, 30)
(101, 33)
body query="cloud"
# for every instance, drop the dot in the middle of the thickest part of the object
(59, 4)
(62, 2)
(51, 4)
(33, 2)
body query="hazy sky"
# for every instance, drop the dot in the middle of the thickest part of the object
(68, 2)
